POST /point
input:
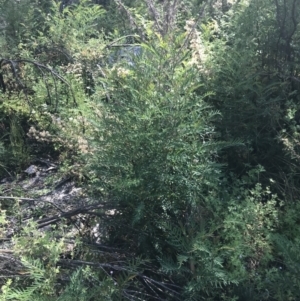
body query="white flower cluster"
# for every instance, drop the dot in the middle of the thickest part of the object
(196, 44)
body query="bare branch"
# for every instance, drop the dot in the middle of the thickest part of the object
(42, 68)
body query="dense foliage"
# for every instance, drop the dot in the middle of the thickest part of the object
(180, 120)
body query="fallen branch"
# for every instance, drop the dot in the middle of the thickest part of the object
(30, 200)
(15, 198)
(52, 220)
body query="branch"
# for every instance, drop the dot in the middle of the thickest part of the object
(200, 16)
(158, 285)
(52, 220)
(130, 17)
(29, 200)
(41, 68)
(15, 198)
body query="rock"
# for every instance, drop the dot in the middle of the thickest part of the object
(31, 170)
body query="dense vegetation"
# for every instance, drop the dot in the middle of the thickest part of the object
(181, 122)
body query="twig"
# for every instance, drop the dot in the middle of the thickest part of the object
(51, 220)
(30, 200)
(200, 15)
(15, 198)
(6, 251)
(40, 66)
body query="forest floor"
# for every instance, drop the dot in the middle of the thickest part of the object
(43, 195)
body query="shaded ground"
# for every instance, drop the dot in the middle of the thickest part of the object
(42, 194)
